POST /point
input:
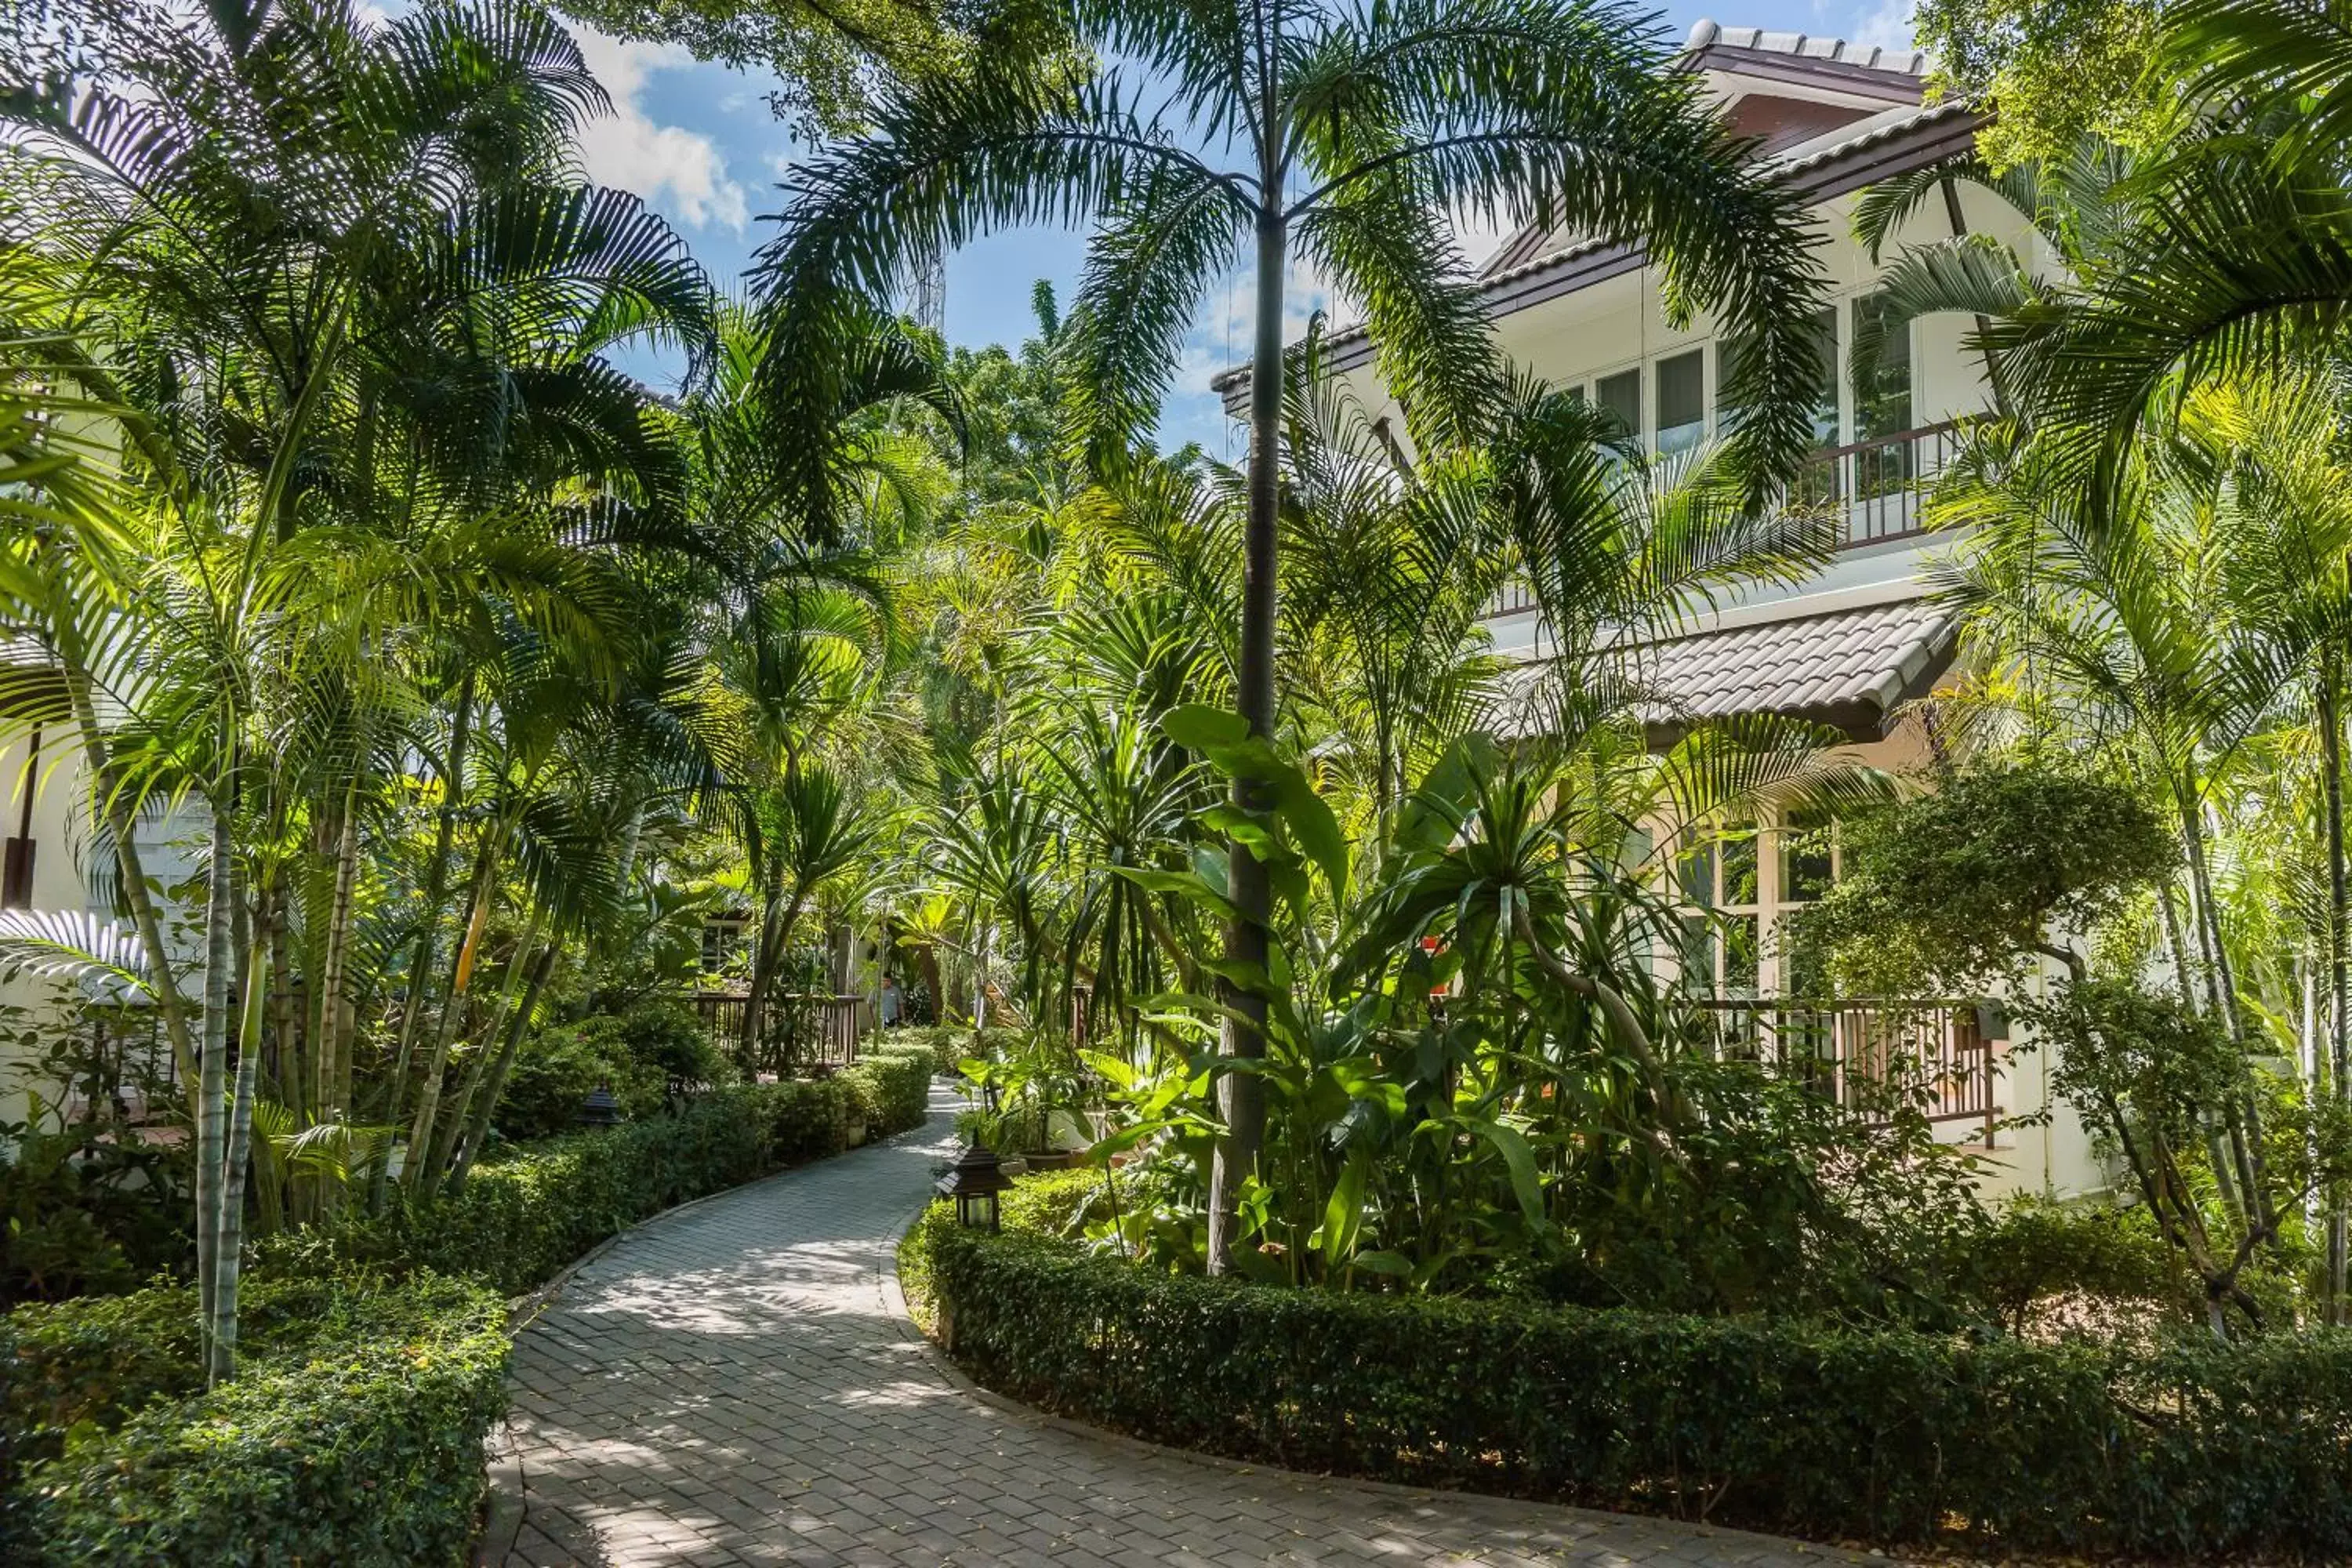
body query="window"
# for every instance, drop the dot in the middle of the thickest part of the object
(1722, 950)
(1620, 397)
(1882, 397)
(1682, 401)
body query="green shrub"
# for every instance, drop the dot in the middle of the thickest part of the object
(517, 1222)
(950, 1044)
(2186, 1448)
(352, 1435)
(639, 1054)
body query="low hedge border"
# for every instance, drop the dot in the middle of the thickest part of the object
(519, 1221)
(2181, 1449)
(374, 1347)
(352, 1435)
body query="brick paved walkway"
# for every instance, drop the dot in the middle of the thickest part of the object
(735, 1383)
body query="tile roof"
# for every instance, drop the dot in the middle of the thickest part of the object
(1706, 34)
(1849, 668)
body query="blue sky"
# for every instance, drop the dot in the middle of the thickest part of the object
(698, 143)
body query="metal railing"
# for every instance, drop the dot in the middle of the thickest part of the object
(1874, 485)
(1879, 483)
(1873, 1057)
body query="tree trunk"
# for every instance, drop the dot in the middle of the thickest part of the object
(436, 889)
(415, 1176)
(239, 1154)
(1247, 934)
(2339, 905)
(2244, 1120)
(330, 1062)
(766, 952)
(212, 1083)
(478, 1126)
(445, 1137)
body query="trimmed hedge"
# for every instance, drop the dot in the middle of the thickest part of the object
(2186, 1448)
(950, 1044)
(520, 1220)
(374, 1350)
(352, 1435)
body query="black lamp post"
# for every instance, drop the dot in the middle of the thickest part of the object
(599, 1108)
(977, 1176)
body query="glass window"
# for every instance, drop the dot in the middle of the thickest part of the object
(1695, 868)
(1620, 395)
(1882, 400)
(1682, 401)
(1807, 858)
(1742, 955)
(1738, 849)
(1825, 334)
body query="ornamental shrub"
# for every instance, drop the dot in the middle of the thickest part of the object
(352, 1435)
(2182, 1447)
(517, 1222)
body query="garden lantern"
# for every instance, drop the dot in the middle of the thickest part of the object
(976, 1178)
(599, 1108)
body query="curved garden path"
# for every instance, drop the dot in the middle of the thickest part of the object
(738, 1383)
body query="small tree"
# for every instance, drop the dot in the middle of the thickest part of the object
(1952, 890)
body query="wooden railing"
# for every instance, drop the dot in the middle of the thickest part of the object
(1874, 1055)
(837, 1024)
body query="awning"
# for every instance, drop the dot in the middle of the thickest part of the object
(1847, 669)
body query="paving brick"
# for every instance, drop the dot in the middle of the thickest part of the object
(730, 1384)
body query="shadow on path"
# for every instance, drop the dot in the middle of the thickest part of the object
(733, 1383)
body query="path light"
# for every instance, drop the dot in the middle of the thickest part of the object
(974, 1181)
(599, 1108)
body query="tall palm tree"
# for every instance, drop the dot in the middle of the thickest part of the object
(1297, 131)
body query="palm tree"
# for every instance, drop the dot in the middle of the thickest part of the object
(368, 426)
(1350, 132)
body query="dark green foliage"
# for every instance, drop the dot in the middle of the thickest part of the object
(2183, 1447)
(515, 1222)
(950, 1044)
(2040, 1252)
(644, 1056)
(353, 1434)
(1951, 888)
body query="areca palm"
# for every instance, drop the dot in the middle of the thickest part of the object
(1306, 132)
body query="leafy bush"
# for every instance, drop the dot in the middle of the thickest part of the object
(2180, 1448)
(352, 1435)
(950, 1044)
(515, 1223)
(641, 1055)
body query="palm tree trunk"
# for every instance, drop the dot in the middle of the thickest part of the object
(436, 889)
(2244, 1119)
(418, 1176)
(231, 1246)
(478, 1126)
(766, 952)
(445, 1138)
(2339, 905)
(1246, 934)
(212, 1082)
(329, 1063)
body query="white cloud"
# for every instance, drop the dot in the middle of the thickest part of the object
(680, 171)
(1887, 24)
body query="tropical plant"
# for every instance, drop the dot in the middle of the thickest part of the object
(1354, 130)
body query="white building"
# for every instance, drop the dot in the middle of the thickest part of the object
(1850, 646)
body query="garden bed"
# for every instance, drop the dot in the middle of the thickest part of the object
(2180, 1450)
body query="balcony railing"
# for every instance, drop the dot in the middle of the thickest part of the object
(836, 1022)
(1877, 484)
(1873, 1057)
(1874, 487)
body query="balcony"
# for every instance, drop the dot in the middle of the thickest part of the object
(1873, 1057)
(1874, 487)
(1877, 485)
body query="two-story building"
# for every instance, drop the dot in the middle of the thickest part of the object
(1860, 639)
